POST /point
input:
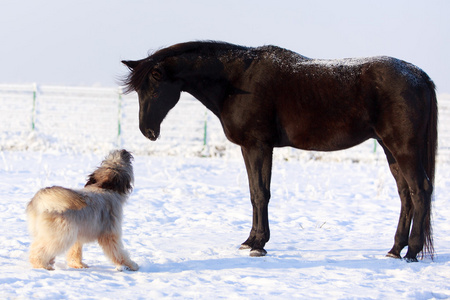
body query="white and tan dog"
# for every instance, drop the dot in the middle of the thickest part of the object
(61, 219)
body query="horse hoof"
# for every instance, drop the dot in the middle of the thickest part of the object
(244, 247)
(410, 259)
(258, 252)
(392, 255)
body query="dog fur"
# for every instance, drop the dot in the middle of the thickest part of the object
(62, 219)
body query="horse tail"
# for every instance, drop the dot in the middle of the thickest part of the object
(429, 162)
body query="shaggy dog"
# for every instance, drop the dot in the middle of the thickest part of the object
(61, 219)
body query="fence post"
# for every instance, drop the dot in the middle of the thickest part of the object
(205, 128)
(205, 135)
(119, 118)
(33, 112)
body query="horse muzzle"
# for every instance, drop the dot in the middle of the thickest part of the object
(151, 134)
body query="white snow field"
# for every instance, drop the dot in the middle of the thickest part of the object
(332, 218)
(331, 223)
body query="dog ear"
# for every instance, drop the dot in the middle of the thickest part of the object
(115, 181)
(91, 180)
(126, 156)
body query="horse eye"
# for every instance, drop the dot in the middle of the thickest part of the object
(156, 75)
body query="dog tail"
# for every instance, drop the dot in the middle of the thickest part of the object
(55, 199)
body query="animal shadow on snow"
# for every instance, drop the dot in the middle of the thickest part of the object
(290, 261)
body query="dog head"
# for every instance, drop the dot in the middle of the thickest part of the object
(115, 173)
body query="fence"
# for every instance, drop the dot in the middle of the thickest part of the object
(99, 119)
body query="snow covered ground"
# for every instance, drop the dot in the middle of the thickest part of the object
(332, 219)
(331, 222)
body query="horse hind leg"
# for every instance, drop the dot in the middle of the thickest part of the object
(405, 218)
(404, 222)
(420, 190)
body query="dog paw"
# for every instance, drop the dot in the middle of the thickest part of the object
(131, 267)
(77, 265)
(48, 267)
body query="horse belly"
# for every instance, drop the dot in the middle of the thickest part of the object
(329, 137)
(326, 123)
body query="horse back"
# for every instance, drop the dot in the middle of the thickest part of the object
(328, 105)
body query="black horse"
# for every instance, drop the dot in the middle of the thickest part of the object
(270, 97)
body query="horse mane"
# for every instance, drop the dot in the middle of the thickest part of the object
(137, 76)
(200, 47)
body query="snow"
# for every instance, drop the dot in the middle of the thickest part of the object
(345, 68)
(332, 215)
(331, 225)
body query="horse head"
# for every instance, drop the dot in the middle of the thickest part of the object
(158, 92)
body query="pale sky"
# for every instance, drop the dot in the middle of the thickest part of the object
(82, 42)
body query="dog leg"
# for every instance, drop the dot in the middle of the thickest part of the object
(52, 261)
(55, 237)
(75, 256)
(40, 258)
(113, 248)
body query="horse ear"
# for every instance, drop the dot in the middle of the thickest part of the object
(130, 63)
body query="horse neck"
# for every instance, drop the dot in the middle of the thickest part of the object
(206, 80)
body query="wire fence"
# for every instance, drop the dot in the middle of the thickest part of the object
(80, 119)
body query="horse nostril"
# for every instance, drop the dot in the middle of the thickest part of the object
(151, 134)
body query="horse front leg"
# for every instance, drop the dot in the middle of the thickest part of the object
(258, 161)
